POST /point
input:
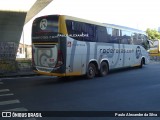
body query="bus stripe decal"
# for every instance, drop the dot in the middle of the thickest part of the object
(124, 56)
(88, 52)
(116, 62)
(95, 51)
(73, 50)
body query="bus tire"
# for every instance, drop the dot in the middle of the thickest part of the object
(91, 71)
(103, 69)
(142, 62)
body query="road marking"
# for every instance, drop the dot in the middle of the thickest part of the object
(1, 83)
(4, 90)
(6, 94)
(16, 109)
(9, 102)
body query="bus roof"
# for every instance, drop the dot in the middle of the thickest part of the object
(104, 24)
(125, 28)
(82, 20)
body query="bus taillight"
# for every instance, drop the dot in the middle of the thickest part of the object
(59, 59)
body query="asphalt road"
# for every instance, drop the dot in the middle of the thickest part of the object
(122, 90)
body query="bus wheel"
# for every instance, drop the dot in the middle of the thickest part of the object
(142, 62)
(103, 69)
(91, 71)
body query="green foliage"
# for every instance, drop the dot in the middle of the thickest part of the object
(153, 34)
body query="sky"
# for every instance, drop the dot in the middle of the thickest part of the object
(139, 14)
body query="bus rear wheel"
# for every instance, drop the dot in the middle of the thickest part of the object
(91, 71)
(103, 69)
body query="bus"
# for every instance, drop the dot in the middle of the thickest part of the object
(154, 50)
(68, 46)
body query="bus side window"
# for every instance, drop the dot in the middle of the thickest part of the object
(70, 27)
(101, 34)
(134, 38)
(90, 30)
(140, 39)
(126, 37)
(109, 34)
(77, 29)
(115, 35)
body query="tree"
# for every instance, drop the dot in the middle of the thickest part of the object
(153, 34)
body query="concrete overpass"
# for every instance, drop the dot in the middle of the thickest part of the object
(13, 16)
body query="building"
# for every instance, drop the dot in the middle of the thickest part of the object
(24, 51)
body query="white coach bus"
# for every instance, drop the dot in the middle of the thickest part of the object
(68, 46)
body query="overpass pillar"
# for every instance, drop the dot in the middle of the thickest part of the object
(11, 25)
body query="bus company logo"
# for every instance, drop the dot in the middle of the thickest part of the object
(138, 52)
(43, 24)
